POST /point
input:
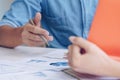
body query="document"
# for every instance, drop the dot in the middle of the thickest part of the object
(44, 67)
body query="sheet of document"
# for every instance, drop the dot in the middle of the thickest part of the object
(45, 67)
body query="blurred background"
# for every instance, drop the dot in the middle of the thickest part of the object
(4, 6)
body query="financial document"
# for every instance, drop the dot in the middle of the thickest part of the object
(44, 67)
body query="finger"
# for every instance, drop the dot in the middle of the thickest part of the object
(33, 43)
(49, 38)
(36, 30)
(32, 28)
(75, 56)
(69, 52)
(26, 35)
(43, 32)
(75, 53)
(81, 42)
(37, 19)
(69, 57)
(40, 31)
(34, 37)
(29, 27)
(31, 36)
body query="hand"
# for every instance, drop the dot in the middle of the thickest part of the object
(93, 61)
(30, 33)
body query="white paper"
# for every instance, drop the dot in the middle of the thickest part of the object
(42, 67)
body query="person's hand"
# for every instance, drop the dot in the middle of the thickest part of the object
(90, 60)
(30, 33)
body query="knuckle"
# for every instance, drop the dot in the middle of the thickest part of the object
(29, 28)
(77, 39)
(26, 27)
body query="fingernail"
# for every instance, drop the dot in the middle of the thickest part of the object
(46, 32)
(72, 38)
(51, 38)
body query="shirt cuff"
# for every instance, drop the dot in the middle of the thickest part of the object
(6, 22)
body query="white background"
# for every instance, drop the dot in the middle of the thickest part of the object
(4, 6)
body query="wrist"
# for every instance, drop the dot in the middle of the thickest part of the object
(10, 37)
(114, 69)
(105, 69)
(18, 36)
(19, 31)
(111, 68)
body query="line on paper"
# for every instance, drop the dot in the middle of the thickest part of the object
(39, 74)
(59, 64)
(36, 61)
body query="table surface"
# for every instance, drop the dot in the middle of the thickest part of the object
(22, 52)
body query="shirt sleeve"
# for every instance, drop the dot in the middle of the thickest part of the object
(20, 12)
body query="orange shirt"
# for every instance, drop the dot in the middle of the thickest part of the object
(105, 29)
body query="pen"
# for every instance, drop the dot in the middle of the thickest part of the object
(41, 36)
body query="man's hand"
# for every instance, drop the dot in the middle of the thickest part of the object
(30, 34)
(93, 61)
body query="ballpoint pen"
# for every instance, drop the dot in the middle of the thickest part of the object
(40, 35)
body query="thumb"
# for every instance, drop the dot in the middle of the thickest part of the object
(37, 19)
(82, 43)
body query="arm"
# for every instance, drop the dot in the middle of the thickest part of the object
(93, 61)
(10, 37)
(20, 31)
(114, 69)
(27, 34)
